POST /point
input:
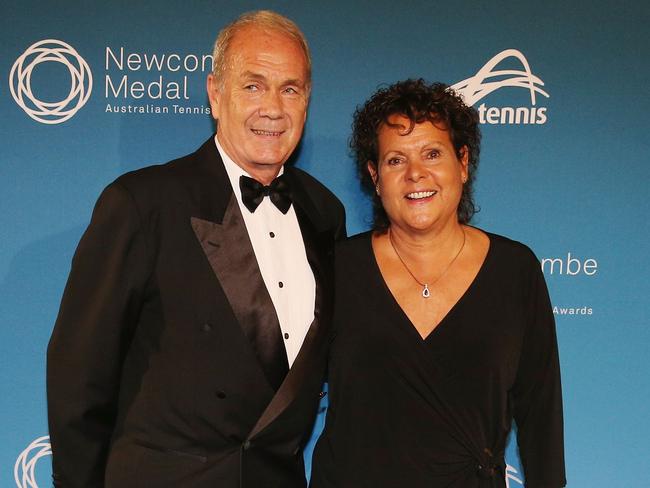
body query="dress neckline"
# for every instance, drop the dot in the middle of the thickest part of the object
(406, 320)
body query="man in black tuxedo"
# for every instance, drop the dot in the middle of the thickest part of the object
(190, 345)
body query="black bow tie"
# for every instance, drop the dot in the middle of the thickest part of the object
(253, 192)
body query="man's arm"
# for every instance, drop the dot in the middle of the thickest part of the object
(98, 313)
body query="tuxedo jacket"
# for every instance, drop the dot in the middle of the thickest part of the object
(154, 374)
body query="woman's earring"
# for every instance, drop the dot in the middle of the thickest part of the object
(377, 189)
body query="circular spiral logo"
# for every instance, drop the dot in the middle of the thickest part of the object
(26, 462)
(20, 78)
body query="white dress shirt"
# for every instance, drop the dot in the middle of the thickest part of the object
(281, 257)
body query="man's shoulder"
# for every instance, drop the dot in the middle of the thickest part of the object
(186, 173)
(158, 174)
(328, 209)
(317, 190)
(181, 182)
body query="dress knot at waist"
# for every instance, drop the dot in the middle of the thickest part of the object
(490, 465)
(486, 472)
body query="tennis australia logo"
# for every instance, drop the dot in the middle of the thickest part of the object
(21, 77)
(490, 79)
(26, 463)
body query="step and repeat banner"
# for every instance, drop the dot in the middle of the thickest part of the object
(93, 89)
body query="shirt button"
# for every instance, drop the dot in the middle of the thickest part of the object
(272, 234)
(247, 445)
(280, 284)
(206, 327)
(286, 335)
(221, 395)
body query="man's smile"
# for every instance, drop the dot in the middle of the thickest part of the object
(267, 133)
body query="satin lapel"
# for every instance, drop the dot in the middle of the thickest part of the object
(319, 250)
(231, 256)
(208, 184)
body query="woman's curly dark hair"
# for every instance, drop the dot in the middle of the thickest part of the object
(420, 102)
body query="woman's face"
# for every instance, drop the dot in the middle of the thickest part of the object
(420, 179)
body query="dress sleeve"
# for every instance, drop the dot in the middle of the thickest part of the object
(98, 313)
(537, 392)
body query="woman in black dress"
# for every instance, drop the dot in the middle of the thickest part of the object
(444, 332)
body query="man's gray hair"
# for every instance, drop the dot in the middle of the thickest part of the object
(264, 19)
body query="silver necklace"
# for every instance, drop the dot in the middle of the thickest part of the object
(425, 287)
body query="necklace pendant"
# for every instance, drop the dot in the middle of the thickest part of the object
(425, 291)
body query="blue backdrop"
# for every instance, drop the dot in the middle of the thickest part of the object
(94, 89)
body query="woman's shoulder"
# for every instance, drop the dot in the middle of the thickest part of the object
(353, 261)
(354, 250)
(507, 250)
(355, 243)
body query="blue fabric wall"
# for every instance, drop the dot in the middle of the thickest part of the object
(571, 183)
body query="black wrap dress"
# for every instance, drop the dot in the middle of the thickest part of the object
(436, 412)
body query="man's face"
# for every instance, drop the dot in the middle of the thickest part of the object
(261, 103)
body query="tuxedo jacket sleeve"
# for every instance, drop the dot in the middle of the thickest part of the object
(104, 296)
(151, 381)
